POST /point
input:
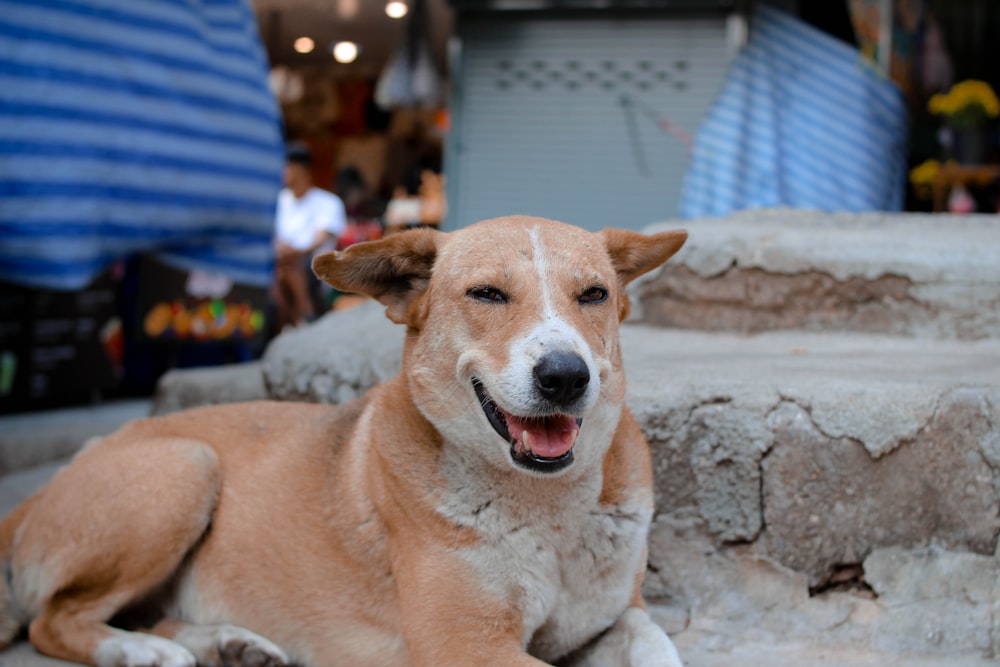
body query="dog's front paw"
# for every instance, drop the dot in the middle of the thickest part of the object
(648, 644)
(633, 641)
(132, 649)
(231, 646)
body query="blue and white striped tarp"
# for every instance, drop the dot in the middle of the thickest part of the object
(134, 126)
(801, 121)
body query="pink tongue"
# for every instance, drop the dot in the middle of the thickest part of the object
(548, 437)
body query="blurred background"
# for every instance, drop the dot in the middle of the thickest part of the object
(142, 146)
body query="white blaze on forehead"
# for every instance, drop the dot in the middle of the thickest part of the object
(552, 326)
(552, 332)
(542, 266)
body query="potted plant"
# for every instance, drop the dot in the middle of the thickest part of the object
(968, 110)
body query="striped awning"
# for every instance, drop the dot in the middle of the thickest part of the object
(134, 126)
(803, 120)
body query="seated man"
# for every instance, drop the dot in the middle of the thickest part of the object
(308, 219)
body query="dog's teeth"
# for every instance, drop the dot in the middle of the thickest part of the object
(526, 441)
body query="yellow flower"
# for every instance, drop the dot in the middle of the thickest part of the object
(968, 104)
(938, 105)
(925, 173)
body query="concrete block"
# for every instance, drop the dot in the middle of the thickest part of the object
(30, 439)
(916, 606)
(181, 389)
(946, 600)
(819, 449)
(827, 502)
(336, 358)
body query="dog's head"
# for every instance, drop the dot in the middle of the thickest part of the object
(512, 344)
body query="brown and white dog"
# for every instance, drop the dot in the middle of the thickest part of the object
(488, 506)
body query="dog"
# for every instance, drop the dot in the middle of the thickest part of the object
(488, 506)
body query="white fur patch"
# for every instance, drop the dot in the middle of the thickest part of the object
(568, 562)
(515, 389)
(649, 645)
(31, 587)
(208, 642)
(634, 641)
(132, 649)
(542, 266)
(194, 606)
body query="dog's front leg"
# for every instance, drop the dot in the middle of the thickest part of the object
(633, 641)
(223, 644)
(447, 616)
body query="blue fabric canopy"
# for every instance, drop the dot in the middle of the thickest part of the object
(145, 125)
(803, 121)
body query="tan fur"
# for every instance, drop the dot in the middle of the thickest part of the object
(393, 530)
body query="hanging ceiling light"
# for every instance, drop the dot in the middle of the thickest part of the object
(396, 9)
(304, 45)
(348, 9)
(345, 52)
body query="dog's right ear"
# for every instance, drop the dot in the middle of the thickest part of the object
(394, 270)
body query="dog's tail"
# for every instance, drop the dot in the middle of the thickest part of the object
(10, 619)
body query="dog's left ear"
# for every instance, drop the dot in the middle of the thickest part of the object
(394, 270)
(634, 254)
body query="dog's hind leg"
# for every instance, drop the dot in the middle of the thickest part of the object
(10, 618)
(108, 531)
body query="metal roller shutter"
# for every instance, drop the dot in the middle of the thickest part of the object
(578, 119)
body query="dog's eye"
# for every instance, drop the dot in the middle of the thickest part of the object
(487, 293)
(595, 294)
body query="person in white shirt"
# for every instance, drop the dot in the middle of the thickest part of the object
(308, 219)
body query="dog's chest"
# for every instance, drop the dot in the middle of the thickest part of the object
(570, 572)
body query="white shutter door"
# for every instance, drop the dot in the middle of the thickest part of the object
(581, 119)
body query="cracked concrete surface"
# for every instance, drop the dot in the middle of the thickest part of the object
(926, 603)
(720, 424)
(914, 275)
(751, 300)
(828, 502)
(796, 458)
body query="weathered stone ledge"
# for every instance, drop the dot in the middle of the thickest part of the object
(912, 275)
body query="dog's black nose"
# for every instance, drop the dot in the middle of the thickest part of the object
(561, 377)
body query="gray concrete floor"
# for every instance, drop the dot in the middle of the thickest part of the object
(696, 651)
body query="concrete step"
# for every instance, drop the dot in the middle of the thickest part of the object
(819, 447)
(791, 467)
(33, 438)
(929, 276)
(822, 446)
(184, 388)
(815, 491)
(822, 398)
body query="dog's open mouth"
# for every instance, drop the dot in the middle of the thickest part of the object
(544, 444)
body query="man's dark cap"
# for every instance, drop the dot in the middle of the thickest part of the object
(298, 153)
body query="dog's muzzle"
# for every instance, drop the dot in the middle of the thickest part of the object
(538, 443)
